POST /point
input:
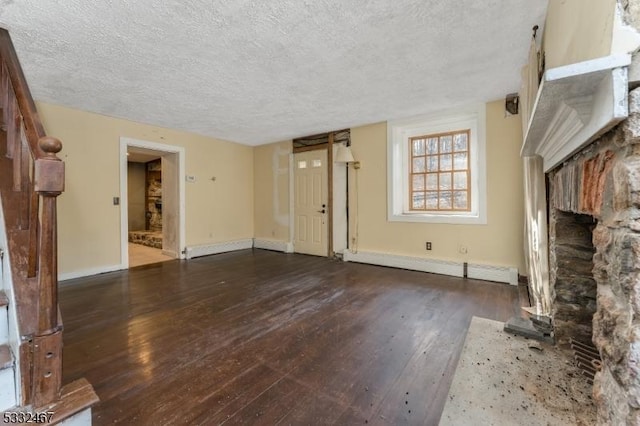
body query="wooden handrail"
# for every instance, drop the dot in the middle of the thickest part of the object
(38, 179)
(32, 124)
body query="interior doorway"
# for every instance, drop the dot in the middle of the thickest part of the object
(152, 202)
(144, 208)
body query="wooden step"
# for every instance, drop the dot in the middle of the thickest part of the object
(6, 358)
(75, 398)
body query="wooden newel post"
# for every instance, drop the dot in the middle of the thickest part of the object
(49, 183)
(47, 343)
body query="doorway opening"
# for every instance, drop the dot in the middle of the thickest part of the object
(152, 202)
(319, 194)
(144, 205)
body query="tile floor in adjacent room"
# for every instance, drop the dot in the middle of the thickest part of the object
(142, 255)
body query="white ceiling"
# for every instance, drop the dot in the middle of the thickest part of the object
(141, 155)
(262, 71)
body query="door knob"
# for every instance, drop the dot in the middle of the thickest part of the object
(321, 211)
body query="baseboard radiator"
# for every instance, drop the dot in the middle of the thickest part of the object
(456, 269)
(215, 248)
(453, 268)
(259, 243)
(275, 245)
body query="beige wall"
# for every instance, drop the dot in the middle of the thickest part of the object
(271, 189)
(577, 30)
(89, 223)
(499, 243)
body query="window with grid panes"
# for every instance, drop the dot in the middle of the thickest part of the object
(439, 172)
(436, 167)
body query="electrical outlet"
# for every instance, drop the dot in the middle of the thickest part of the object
(428, 245)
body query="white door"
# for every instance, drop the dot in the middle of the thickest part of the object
(310, 176)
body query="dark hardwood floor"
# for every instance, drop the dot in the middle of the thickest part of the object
(258, 337)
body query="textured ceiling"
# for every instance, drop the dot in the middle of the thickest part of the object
(261, 71)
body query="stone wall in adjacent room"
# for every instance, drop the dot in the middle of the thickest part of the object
(599, 189)
(154, 195)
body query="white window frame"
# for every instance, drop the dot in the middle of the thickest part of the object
(398, 134)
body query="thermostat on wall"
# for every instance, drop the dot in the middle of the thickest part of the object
(191, 178)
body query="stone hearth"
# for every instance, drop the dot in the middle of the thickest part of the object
(594, 238)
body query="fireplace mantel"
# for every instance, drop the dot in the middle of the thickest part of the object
(574, 105)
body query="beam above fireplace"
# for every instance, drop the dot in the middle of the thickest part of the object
(574, 105)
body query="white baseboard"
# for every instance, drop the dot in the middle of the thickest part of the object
(476, 271)
(83, 418)
(170, 253)
(276, 245)
(207, 249)
(91, 271)
(435, 266)
(191, 252)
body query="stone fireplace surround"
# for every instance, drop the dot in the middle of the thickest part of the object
(594, 255)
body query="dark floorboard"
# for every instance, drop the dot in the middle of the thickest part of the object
(258, 337)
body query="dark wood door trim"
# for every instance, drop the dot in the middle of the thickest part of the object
(317, 147)
(330, 195)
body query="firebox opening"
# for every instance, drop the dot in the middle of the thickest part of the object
(571, 272)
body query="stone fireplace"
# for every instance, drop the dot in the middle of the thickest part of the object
(571, 275)
(594, 261)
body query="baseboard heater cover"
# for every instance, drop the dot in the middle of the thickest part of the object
(275, 245)
(207, 249)
(443, 267)
(493, 273)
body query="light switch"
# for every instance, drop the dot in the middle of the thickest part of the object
(116, 201)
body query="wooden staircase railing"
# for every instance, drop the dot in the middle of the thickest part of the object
(31, 179)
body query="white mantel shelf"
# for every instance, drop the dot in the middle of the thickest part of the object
(576, 104)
